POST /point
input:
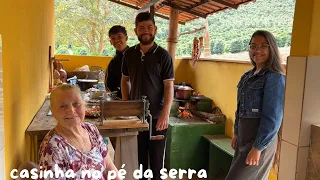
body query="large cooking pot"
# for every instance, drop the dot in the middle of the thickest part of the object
(184, 92)
(103, 95)
(85, 84)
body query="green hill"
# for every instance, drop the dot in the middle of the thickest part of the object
(233, 26)
(230, 30)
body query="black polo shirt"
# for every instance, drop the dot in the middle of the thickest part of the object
(147, 73)
(113, 77)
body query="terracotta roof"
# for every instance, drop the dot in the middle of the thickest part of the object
(190, 9)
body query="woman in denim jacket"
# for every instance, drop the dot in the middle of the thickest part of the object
(259, 111)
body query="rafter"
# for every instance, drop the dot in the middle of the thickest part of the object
(184, 9)
(193, 31)
(198, 4)
(149, 4)
(158, 7)
(234, 6)
(137, 8)
(139, 3)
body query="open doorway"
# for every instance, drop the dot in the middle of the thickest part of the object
(1, 118)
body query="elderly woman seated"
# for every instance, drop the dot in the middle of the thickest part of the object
(73, 144)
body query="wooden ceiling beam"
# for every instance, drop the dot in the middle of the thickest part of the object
(137, 8)
(158, 7)
(198, 4)
(184, 9)
(139, 3)
(149, 4)
(234, 6)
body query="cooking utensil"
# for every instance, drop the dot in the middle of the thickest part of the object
(184, 92)
(157, 137)
(97, 95)
(83, 74)
(85, 84)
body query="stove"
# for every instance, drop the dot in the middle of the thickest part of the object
(182, 107)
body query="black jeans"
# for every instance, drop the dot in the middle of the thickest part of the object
(152, 150)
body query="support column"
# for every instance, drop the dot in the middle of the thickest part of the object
(152, 10)
(173, 32)
(302, 99)
(206, 38)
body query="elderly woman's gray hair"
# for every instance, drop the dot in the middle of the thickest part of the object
(64, 87)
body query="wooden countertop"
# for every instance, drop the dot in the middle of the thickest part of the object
(42, 124)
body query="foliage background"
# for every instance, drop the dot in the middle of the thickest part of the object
(82, 26)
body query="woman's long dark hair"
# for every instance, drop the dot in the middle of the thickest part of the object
(273, 63)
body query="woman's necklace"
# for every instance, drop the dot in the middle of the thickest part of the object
(81, 143)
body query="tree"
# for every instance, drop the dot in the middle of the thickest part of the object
(218, 48)
(84, 24)
(87, 22)
(245, 44)
(212, 47)
(236, 46)
(62, 50)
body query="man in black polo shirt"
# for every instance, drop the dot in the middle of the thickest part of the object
(147, 69)
(118, 39)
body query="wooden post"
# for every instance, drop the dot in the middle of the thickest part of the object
(207, 52)
(173, 32)
(152, 10)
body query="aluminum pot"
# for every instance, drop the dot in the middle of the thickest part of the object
(85, 84)
(184, 92)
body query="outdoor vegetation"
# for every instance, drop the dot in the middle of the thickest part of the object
(82, 26)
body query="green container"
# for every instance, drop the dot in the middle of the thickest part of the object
(204, 105)
(185, 146)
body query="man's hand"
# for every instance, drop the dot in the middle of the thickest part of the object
(253, 157)
(234, 142)
(163, 122)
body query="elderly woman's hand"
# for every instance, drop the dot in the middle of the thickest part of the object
(110, 167)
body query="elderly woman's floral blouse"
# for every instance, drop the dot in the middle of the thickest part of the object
(55, 149)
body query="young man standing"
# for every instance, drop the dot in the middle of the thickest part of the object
(118, 39)
(147, 70)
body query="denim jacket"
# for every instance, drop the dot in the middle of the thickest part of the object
(261, 96)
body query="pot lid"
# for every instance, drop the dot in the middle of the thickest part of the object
(87, 80)
(184, 87)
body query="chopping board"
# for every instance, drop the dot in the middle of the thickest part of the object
(114, 123)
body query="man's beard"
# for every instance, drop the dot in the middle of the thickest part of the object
(146, 42)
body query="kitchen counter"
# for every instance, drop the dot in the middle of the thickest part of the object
(126, 131)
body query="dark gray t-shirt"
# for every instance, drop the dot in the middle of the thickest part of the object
(147, 73)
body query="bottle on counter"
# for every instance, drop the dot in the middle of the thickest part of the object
(101, 86)
(101, 76)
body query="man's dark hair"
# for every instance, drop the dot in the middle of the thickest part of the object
(144, 16)
(117, 29)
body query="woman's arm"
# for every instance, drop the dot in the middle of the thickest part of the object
(272, 111)
(110, 167)
(125, 87)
